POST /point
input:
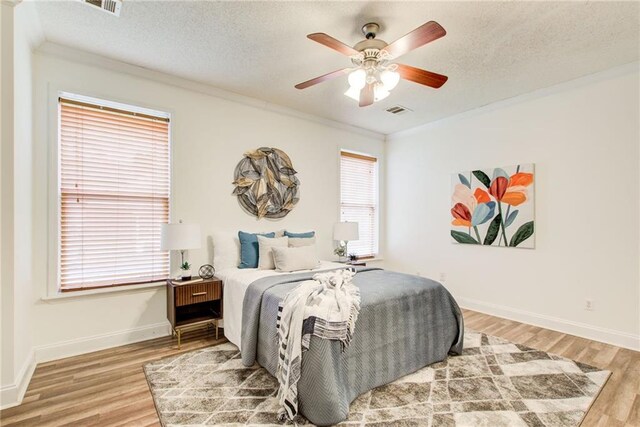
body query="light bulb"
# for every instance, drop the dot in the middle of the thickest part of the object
(389, 79)
(353, 93)
(379, 93)
(357, 78)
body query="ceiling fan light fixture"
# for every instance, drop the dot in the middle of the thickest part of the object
(379, 92)
(353, 93)
(357, 79)
(389, 79)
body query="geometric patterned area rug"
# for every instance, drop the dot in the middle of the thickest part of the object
(493, 383)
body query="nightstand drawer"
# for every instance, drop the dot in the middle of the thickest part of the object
(197, 292)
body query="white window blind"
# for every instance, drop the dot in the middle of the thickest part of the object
(359, 200)
(114, 194)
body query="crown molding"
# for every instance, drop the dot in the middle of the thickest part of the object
(76, 55)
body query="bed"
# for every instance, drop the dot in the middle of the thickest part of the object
(406, 322)
(236, 281)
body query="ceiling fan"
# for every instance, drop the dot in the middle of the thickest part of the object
(373, 75)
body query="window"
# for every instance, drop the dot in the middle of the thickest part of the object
(359, 200)
(113, 194)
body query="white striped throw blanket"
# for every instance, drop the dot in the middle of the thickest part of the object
(326, 307)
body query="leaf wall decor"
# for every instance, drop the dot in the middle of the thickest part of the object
(464, 180)
(463, 237)
(266, 184)
(483, 178)
(524, 232)
(493, 230)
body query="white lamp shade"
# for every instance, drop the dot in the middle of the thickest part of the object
(347, 231)
(389, 79)
(180, 236)
(353, 93)
(357, 79)
(379, 93)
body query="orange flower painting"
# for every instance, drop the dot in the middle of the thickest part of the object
(494, 207)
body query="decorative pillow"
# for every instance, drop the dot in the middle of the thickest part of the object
(294, 259)
(265, 244)
(296, 242)
(305, 235)
(226, 250)
(249, 248)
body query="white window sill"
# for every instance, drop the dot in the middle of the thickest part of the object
(89, 292)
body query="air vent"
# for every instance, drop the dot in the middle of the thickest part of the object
(109, 6)
(398, 109)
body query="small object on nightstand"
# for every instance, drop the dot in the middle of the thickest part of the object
(186, 271)
(207, 271)
(194, 305)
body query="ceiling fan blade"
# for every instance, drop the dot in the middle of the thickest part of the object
(334, 44)
(420, 36)
(323, 78)
(366, 95)
(421, 76)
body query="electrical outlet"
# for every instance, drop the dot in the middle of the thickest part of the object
(443, 277)
(588, 305)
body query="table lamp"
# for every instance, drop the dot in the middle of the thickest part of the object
(180, 237)
(345, 232)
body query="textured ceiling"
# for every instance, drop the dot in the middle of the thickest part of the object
(492, 50)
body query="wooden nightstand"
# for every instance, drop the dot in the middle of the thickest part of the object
(355, 263)
(194, 305)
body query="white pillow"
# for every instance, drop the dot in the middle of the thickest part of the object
(226, 250)
(293, 259)
(296, 242)
(265, 244)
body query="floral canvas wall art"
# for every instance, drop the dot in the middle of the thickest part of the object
(494, 207)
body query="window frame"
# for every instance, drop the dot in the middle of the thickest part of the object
(376, 182)
(54, 290)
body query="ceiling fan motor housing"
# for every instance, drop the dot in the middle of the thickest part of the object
(370, 30)
(370, 44)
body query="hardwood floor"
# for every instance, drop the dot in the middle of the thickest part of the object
(108, 388)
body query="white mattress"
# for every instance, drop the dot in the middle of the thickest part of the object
(236, 281)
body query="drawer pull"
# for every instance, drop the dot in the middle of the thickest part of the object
(197, 294)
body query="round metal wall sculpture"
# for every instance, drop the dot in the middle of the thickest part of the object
(266, 183)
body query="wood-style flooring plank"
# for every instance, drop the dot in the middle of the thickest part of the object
(108, 387)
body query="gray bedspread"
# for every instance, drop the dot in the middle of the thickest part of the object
(406, 322)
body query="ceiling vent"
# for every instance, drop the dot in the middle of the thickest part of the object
(110, 6)
(398, 109)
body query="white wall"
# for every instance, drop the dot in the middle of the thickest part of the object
(7, 375)
(28, 36)
(209, 136)
(20, 34)
(583, 137)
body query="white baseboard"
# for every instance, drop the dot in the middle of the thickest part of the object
(609, 336)
(84, 345)
(12, 394)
